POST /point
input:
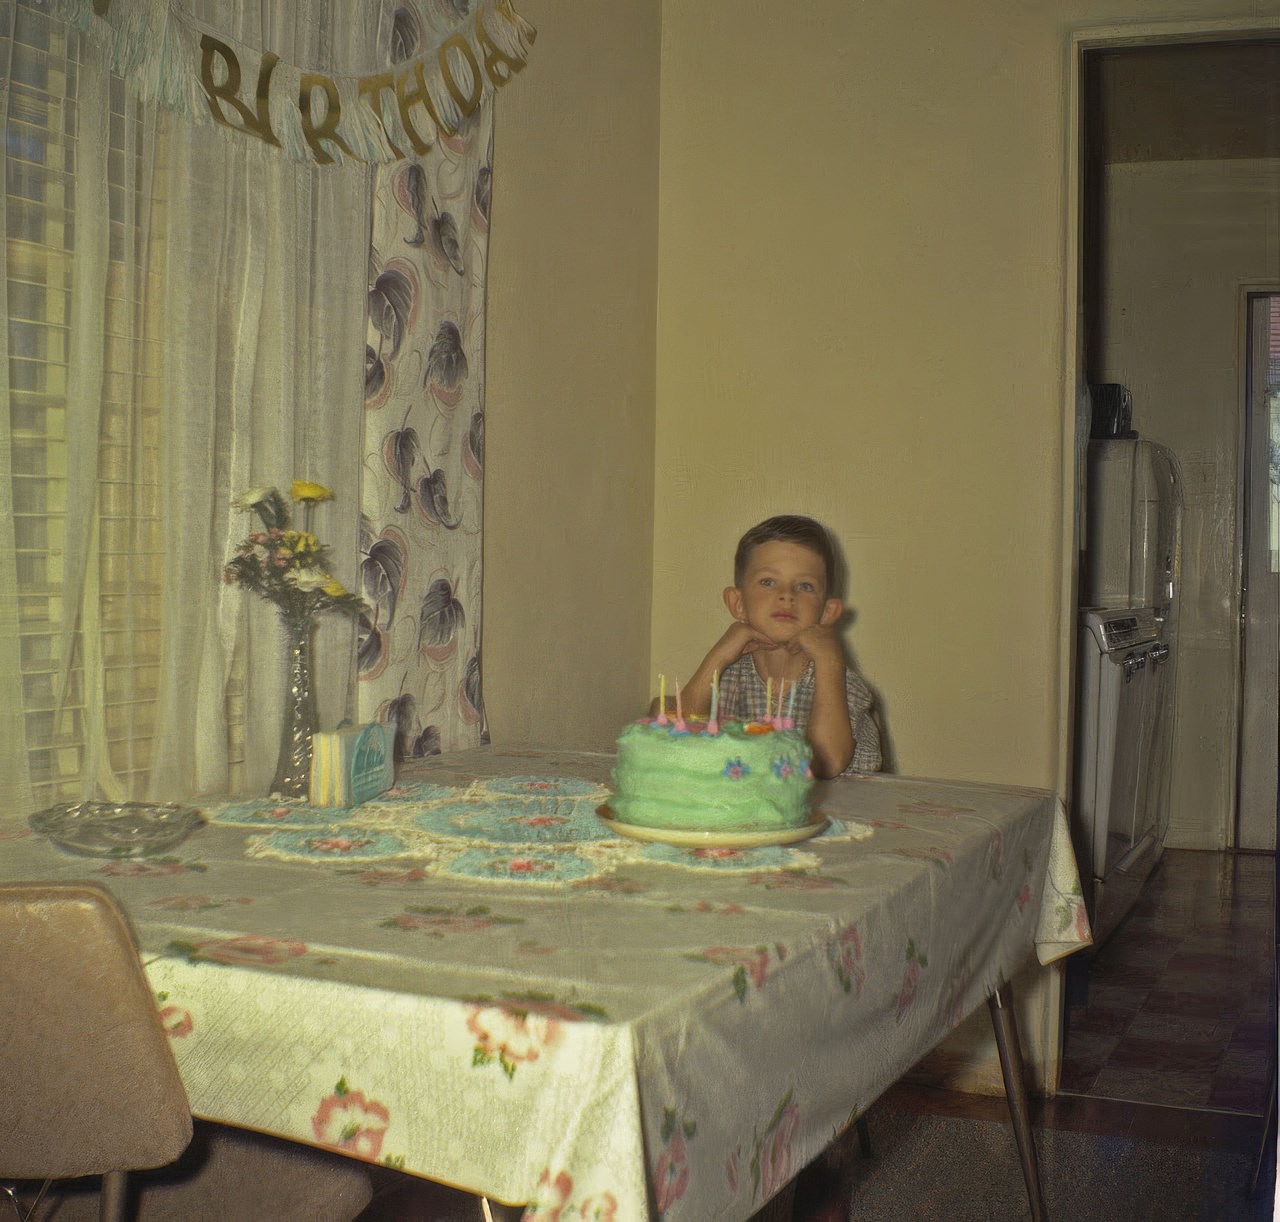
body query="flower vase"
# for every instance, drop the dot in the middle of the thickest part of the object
(293, 769)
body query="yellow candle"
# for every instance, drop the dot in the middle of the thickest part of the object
(662, 700)
(768, 700)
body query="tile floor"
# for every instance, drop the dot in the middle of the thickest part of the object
(1172, 1037)
(1179, 1004)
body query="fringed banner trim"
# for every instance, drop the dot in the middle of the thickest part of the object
(396, 111)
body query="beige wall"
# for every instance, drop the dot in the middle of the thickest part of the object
(862, 315)
(570, 377)
(853, 239)
(1184, 239)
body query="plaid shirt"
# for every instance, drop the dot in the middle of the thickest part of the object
(743, 694)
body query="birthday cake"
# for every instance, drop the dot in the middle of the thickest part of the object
(743, 778)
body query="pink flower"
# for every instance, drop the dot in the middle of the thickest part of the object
(142, 869)
(346, 1120)
(849, 967)
(672, 1173)
(716, 854)
(910, 979)
(250, 949)
(754, 960)
(549, 1197)
(177, 1022)
(512, 1034)
(376, 878)
(1083, 931)
(336, 844)
(438, 923)
(194, 903)
(543, 821)
(791, 880)
(602, 1207)
(775, 1152)
(732, 1172)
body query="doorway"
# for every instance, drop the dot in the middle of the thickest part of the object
(1179, 190)
(1260, 588)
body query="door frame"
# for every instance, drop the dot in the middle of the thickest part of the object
(1247, 329)
(1081, 41)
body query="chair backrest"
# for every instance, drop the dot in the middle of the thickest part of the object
(88, 1083)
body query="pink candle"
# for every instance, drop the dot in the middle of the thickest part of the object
(789, 721)
(662, 700)
(713, 726)
(679, 709)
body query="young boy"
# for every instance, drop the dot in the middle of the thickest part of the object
(785, 612)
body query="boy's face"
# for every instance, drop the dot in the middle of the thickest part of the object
(783, 591)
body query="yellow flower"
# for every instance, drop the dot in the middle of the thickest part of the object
(305, 490)
(300, 542)
(335, 588)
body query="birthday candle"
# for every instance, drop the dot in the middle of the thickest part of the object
(713, 725)
(768, 700)
(679, 709)
(777, 717)
(790, 722)
(662, 700)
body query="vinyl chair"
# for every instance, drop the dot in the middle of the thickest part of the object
(90, 1087)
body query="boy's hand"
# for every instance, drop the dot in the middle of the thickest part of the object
(820, 642)
(738, 638)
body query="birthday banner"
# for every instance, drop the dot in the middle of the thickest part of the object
(436, 76)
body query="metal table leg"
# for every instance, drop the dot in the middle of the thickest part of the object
(1000, 1004)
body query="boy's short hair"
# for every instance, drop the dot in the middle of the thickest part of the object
(787, 528)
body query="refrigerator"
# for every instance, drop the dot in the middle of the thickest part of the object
(1130, 567)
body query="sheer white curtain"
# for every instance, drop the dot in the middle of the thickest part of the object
(186, 320)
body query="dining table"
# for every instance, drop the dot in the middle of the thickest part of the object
(476, 978)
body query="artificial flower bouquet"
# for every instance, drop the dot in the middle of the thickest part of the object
(286, 566)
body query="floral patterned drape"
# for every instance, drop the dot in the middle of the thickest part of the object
(419, 647)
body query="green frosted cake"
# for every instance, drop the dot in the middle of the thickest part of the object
(742, 779)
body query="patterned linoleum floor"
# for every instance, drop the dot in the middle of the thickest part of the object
(1179, 1007)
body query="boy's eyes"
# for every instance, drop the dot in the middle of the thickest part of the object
(806, 587)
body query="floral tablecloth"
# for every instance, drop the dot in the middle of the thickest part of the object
(472, 980)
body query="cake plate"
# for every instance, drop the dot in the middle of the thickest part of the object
(691, 839)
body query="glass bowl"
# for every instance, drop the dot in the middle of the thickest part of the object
(116, 829)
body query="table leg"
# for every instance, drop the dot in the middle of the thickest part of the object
(1000, 1004)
